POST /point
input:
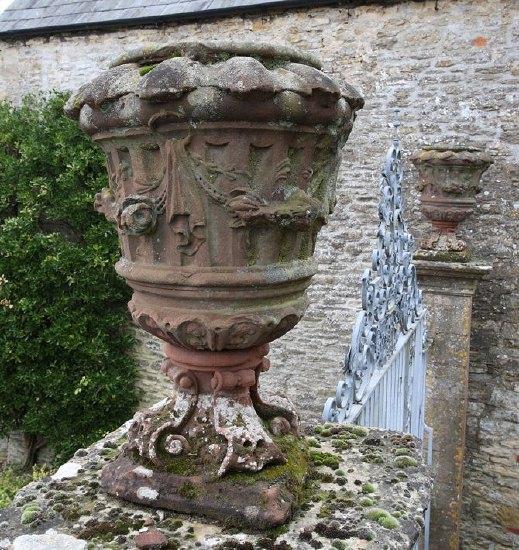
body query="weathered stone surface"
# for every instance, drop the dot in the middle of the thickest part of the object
(366, 489)
(449, 179)
(151, 539)
(50, 540)
(448, 292)
(66, 471)
(222, 170)
(451, 67)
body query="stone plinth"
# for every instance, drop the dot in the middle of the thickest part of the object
(448, 289)
(365, 489)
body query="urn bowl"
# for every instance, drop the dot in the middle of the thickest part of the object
(222, 161)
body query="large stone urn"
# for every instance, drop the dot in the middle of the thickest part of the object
(449, 180)
(222, 161)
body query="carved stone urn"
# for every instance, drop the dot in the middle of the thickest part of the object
(449, 179)
(222, 160)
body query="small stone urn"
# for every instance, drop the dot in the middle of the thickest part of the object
(222, 160)
(449, 179)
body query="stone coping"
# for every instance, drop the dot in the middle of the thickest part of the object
(368, 489)
(459, 270)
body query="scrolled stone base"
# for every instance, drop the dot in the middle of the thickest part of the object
(259, 505)
(443, 246)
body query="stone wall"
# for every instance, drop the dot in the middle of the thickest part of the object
(451, 67)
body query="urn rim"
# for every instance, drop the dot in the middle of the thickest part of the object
(452, 154)
(216, 50)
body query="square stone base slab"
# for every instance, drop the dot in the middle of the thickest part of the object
(368, 491)
(261, 505)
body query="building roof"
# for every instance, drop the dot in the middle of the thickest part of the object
(36, 17)
(45, 16)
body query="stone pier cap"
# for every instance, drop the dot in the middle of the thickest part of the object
(214, 81)
(366, 488)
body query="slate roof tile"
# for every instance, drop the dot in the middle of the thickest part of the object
(40, 16)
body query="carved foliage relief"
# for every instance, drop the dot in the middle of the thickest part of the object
(214, 183)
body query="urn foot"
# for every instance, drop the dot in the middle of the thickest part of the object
(443, 246)
(192, 452)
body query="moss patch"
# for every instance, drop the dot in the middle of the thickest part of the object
(319, 458)
(145, 69)
(402, 451)
(368, 488)
(405, 461)
(294, 470)
(188, 490)
(383, 518)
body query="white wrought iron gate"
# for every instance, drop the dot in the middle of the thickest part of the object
(384, 369)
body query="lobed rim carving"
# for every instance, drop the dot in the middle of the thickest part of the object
(451, 155)
(214, 80)
(211, 51)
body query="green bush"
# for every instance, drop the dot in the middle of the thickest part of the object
(12, 479)
(64, 371)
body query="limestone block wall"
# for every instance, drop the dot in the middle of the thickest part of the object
(452, 68)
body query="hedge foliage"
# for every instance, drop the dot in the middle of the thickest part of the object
(64, 369)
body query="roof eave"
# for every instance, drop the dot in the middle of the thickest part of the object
(205, 14)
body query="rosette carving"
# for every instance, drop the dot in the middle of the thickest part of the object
(137, 215)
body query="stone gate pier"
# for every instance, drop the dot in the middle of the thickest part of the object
(449, 180)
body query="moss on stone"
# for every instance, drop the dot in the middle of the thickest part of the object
(322, 458)
(373, 459)
(180, 465)
(402, 451)
(383, 518)
(31, 506)
(29, 515)
(341, 445)
(366, 502)
(294, 470)
(389, 522)
(71, 512)
(360, 431)
(324, 477)
(405, 461)
(325, 511)
(103, 531)
(189, 491)
(368, 488)
(377, 513)
(145, 69)
(110, 453)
